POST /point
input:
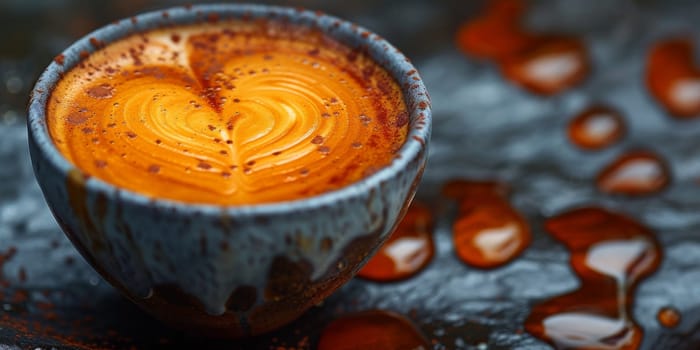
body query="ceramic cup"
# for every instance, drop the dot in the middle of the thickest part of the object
(229, 271)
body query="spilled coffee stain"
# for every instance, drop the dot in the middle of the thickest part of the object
(610, 254)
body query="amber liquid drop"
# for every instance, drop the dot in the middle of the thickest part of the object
(635, 173)
(488, 231)
(550, 67)
(541, 63)
(669, 317)
(409, 249)
(229, 113)
(673, 77)
(372, 330)
(596, 127)
(610, 254)
(496, 33)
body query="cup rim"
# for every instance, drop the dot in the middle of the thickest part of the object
(381, 51)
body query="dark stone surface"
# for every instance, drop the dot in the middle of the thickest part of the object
(484, 128)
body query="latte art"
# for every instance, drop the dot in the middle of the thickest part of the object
(229, 113)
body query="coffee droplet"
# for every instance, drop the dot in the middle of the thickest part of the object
(610, 254)
(596, 127)
(541, 63)
(550, 67)
(372, 330)
(634, 173)
(669, 317)
(270, 98)
(409, 249)
(496, 33)
(673, 77)
(488, 231)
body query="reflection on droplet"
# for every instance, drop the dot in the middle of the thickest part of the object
(550, 68)
(408, 253)
(685, 94)
(620, 259)
(579, 330)
(499, 243)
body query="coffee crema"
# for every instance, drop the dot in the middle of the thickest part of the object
(233, 112)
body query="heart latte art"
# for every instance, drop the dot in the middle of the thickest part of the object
(228, 113)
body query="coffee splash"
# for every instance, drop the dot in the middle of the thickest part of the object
(610, 253)
(228, 113)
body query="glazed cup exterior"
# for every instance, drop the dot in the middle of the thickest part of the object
(229, 271)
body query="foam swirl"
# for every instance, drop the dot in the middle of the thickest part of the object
(220, 117)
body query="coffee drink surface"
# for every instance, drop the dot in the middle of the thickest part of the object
(230, 113)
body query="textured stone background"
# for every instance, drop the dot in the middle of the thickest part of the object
(483, 128)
